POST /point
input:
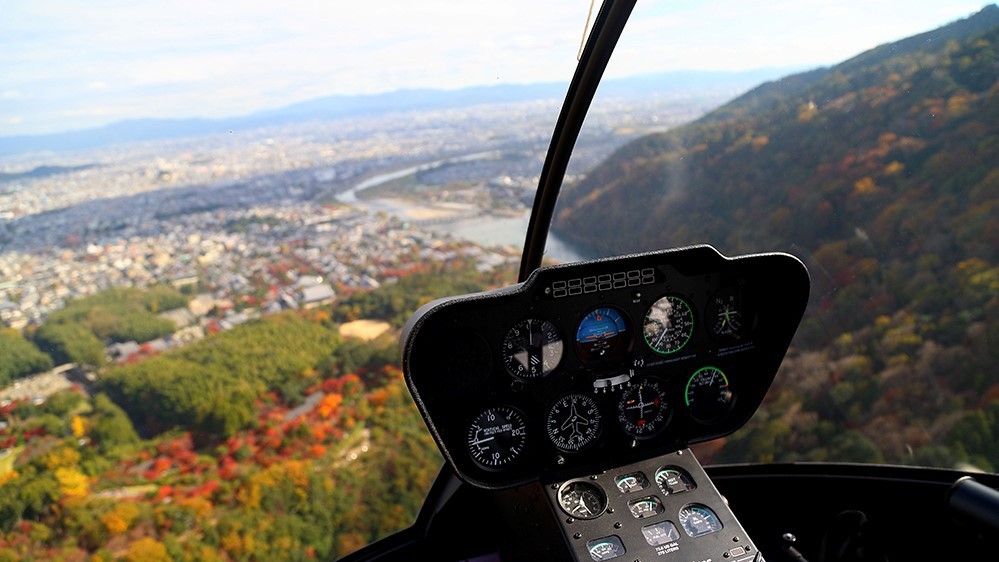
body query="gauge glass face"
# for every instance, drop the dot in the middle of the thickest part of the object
(724, 316)
(497, 437)
(631, 482)
(582, 499)
(604, 333)
(708, 395)
(698, 520)
(674, 480)
(669, 323)
(660, 533)
(532, 349)
(573, 422)
(645, 507)
(605, 548)
(642, 409)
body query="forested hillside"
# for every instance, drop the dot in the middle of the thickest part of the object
(881, 174)
(278, 439)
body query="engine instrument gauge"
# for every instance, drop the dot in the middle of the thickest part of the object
(674, 480)
(669, 323)
(604, 333)
(699, 520)
(642, 410)
(660, 533)
(497, 437)
(724, 316)
(582, 499)
(532, 349)
(605, 548)
(646, 507)
(573, 422)
(708, 395)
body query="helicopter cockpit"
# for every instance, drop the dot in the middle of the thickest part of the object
(565, 407)
(595, 377)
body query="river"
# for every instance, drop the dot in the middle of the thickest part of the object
(462, 221)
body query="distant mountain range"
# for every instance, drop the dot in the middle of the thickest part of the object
(343, 106)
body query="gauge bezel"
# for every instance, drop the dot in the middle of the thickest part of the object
(620, 348)
(663, 415)
(516, 452)
(507, 356)
(715, 417)
(683, 516)
(589, 486)
(594, 426)
(688, 332)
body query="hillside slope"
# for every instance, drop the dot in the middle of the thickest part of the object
(882, 174)
(867, 170)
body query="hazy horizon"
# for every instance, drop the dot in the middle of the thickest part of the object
(69, 66)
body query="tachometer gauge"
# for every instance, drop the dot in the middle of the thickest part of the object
(708, 396)
(532, 349)
(497, 437)
(699, 520)
(604, 333)
(669, 323)
(573, 422)
(582, 499)
(674, 480)
(642, 410)
(724, 316)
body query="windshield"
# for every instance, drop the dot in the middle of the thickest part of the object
(215, 219)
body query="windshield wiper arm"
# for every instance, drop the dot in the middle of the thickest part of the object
(607, 28)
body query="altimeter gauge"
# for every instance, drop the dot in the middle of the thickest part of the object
(497, 436)
(669, 323)
(532, 349)
(573, 422)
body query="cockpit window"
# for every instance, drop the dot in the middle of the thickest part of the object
(868, 156)
(216, 218)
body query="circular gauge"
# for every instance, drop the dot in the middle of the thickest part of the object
(497, 436)
(698, 520)
(708, 395)
(674, 480)
(573, 422)
(724, 316)
(602, 334)
(669, 324)
(642, 409)
(582, 499)
(532, 349)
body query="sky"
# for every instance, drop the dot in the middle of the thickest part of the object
(69, 65)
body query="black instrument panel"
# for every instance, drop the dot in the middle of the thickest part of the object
(591, 365)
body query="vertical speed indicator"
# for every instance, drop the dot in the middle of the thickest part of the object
(497, 437)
